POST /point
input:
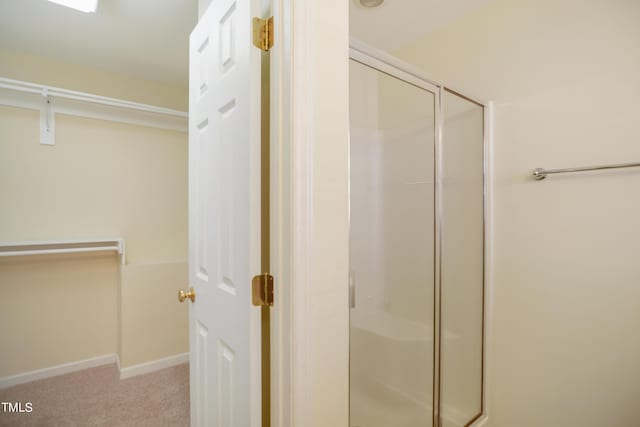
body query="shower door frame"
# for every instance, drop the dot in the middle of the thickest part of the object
(392, 66)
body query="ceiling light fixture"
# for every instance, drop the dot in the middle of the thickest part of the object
(81, 5)
(371, 3)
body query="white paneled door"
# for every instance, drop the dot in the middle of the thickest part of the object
(224, 216)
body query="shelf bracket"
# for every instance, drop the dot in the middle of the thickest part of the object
(47, 120)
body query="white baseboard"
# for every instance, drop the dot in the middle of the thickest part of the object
(57, 370)
(107, 359)
(154, 365)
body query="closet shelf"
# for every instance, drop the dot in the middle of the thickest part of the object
(46, 247)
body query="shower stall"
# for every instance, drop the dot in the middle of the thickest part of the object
(417, 157)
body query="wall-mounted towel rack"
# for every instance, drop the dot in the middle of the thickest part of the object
(46, 247)
(540, 173)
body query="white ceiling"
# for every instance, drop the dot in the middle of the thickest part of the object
(142, 38)
(396, 23)
(149, 38)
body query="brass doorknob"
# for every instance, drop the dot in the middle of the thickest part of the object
(191, 294)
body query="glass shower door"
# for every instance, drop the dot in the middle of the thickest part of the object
(392, 240)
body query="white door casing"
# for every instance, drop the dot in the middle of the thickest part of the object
(319, 244)
(224, 216)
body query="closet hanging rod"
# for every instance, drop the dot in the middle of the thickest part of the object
(540, 173)
(60, 251)
(43, 90)
(46, 247)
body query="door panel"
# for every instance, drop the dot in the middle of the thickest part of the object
(224, 216)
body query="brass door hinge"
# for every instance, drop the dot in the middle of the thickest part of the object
(263, 33)
(262, 290)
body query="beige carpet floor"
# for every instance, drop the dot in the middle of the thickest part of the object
(97, 397)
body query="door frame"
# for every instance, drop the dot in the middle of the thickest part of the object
(309, 213)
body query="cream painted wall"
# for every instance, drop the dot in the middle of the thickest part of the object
(101, 179)
(56, 311)
(48, 71)
(154, 325)
(566, 302)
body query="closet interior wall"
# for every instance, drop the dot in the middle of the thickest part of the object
(101, 179)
